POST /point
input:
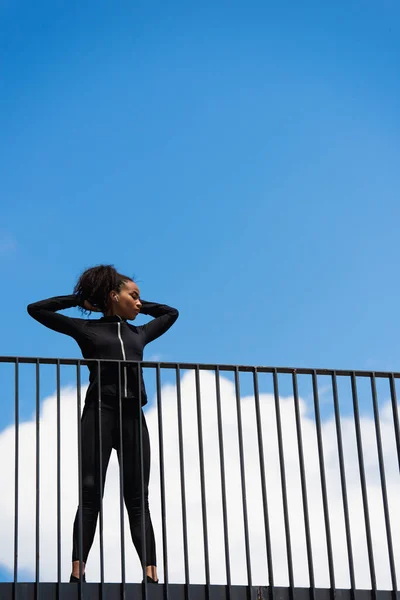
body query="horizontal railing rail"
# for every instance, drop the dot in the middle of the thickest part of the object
(202, 366)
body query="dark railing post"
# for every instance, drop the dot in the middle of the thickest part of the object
(80, 507)
(223, 483)
(328, 536)
(162, 480)
(100, 479)
(395, 413)
(16, 487)
(37, 527)
(58, 479)
(343, 485)
(202, 480)
(263, 485)
(142, 498)
(243, 481)
(182, 474)
(383, 485)
(283, 482)
(121, 486)
(363, 484)
(303, 486)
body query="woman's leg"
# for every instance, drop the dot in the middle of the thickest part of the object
(91, 492)
(132, 486)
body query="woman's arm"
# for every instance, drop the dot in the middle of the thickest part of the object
(44, 311)
(164, 317)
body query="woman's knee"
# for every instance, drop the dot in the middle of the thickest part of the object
(134, 503)
(90, 489)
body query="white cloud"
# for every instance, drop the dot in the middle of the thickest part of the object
(48, 556)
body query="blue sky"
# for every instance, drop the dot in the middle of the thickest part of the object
(240, 159)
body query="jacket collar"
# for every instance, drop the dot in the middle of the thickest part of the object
(112, 319)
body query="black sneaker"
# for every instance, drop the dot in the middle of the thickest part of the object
(150, 580)
(74, 579)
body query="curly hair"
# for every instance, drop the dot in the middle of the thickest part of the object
(96, 283)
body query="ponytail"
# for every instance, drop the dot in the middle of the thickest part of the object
(96, 283)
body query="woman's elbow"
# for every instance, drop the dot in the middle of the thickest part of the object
(31, 309)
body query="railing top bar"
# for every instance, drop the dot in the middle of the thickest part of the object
(201, 366)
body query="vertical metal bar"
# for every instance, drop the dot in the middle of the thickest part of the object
(58, 479)
(202, 480)
(383, 484)
(182, 474)
(80, 523)
(100, 482)
(243, 481)
(263, 484)
(223, 483)
(16, 488)
(343, 486)
(37, 565)
(162, 481)
(142, 499)
(121, 486)
(363, 484)
(303, 485)
(395, 415)
(283, 483)
(328, 535)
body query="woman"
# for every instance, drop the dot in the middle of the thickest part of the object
(103, 289)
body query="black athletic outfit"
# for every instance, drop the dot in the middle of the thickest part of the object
(111, 338)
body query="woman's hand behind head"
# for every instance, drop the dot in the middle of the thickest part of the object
(88, 306)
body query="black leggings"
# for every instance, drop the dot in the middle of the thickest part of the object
(110, 438)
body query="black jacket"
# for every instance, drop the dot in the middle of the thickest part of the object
(108, 337)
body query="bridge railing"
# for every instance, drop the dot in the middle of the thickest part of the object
(260, 476)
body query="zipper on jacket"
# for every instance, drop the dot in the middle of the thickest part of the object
(124, 357)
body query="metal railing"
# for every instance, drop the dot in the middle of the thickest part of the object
(261, 476)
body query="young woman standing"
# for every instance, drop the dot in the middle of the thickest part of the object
(103, 289)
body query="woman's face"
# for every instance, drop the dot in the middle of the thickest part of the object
(126, 302)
